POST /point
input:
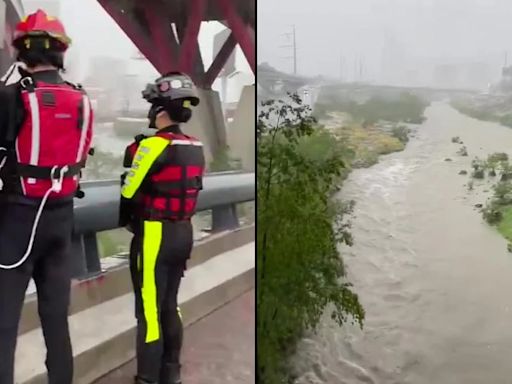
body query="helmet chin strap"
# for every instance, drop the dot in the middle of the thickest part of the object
(153, 113)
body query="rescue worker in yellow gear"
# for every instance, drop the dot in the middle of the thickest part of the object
(159, 195)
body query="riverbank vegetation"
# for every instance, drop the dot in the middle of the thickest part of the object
(498, 113)
(406, 108)
(371, 128)
(497, 211)
(300, 271)
(367, 143)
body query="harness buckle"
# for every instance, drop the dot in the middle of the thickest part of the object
(27, 82)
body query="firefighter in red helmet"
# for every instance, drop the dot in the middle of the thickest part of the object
(45, 136)
(159, 196)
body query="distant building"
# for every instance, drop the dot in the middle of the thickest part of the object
(446, 76)
(106, 74)
(477, 75)
(393, 61)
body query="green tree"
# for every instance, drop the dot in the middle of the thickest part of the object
(299, 228)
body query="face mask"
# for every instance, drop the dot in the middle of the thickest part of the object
(153, 113)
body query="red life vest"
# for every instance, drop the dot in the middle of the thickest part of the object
(54, 139)
(171, 190)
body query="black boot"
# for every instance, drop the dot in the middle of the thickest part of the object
(170, 374)
(139, 380)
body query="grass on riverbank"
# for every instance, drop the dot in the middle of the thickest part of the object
(367, 144)
(497, 211)
(505, 225)
(406, 107)
(370, 128)
(483, 113)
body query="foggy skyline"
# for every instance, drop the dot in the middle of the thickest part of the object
(422, 34)
(94, 33)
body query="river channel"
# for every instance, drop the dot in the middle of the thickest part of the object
(435, 280)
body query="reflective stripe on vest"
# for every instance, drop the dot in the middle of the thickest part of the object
(186, 142)
(36, 132)
(171, 192)
(147, 152)
(85, 126)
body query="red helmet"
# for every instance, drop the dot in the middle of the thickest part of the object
(40, 24)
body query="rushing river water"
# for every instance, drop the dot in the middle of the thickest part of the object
(435, 280)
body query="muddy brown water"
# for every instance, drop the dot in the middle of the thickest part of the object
(435, 280)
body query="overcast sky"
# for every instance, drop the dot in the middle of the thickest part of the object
(418, 31)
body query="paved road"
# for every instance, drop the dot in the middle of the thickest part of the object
(218, 349)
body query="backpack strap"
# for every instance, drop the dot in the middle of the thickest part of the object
(28, 84)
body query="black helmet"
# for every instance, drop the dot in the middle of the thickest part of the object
(170, 87)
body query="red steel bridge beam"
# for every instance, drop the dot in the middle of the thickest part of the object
(151, 32)
(162, 36)
(131, 29)
(189, 44)
(220, 60)
(241, 30)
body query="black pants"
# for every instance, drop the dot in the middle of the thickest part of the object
(49, 266)
(158, 256)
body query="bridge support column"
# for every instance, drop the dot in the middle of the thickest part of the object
(225, 218)
(241, 143)
(207, 123)
(85, 256)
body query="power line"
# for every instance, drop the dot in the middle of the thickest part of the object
(293, 46)
(341, 66)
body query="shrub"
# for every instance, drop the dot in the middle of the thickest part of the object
(300, 270)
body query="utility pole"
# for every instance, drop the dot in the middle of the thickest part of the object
(293, 46)
(360, 69)
(355, 69)
(341, 66)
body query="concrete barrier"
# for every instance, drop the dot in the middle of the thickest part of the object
(241, 131)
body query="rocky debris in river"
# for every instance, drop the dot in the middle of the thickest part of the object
(463, 172)
(456, 140)
(479, 205)
(492, 173)
(478, 173)
(509, 247)
(448, 159)
(506, 176)
(463, 151)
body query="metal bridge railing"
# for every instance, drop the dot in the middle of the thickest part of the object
(99, 211)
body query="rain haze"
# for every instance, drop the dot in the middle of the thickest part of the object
(415, 96)
(95, 34)
(390, 41)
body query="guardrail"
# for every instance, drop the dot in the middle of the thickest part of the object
(99, 211)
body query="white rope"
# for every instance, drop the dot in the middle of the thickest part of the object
(56, 187)
(2, 163)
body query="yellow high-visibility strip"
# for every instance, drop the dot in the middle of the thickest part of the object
(151, 247)
(148, 151)
(179, 313)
